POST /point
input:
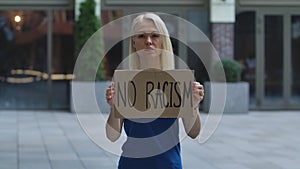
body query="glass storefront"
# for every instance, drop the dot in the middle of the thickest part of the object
(295, 47)
(273, 75)
(267, 45)
(24, 61)
(245, 49)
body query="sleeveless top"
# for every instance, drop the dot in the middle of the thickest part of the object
(151, 144)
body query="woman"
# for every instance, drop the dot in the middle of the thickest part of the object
(148, 141)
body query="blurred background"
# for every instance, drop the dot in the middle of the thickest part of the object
(37, 46)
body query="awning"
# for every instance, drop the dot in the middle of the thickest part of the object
(36, 4)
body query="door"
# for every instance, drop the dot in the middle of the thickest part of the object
(295, 59)
(277, 48)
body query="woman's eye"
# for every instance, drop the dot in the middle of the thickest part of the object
(155, 35)
(141, 36)
(145, 35)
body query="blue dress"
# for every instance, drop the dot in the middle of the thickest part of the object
(151, 144)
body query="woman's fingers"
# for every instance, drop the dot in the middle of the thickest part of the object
(198, 92)
(110, 92)
(198, 89)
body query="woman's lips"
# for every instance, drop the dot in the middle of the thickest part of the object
(149, 48)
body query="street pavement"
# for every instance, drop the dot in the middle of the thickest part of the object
(55, 140)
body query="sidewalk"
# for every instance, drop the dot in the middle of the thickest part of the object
(55, 140)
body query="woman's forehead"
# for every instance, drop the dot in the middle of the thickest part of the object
(145, 26)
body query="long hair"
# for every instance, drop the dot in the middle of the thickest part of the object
(167, 58)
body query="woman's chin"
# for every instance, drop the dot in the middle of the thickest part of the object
(149, 55)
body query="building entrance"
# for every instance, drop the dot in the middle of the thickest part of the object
(278, 62)
(267, 44)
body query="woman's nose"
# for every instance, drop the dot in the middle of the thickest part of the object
(148, 40)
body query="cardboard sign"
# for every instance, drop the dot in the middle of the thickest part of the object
(153, 93)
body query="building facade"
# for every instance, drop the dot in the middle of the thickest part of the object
(36, 53)
(264, 37)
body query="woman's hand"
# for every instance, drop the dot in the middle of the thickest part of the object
(113, 124)
(198, 94)
(110, 94)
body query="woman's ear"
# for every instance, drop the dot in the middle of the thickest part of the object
(133, 42)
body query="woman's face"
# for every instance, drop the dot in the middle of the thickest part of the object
(147, 40)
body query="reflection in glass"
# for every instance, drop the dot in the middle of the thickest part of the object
(63, 57)
(295, 59)
(23, 60)
(23, 55)
(273, 59)
(245, 49)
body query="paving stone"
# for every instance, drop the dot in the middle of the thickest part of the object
(35, 163)
(66, 164)
(55, 140)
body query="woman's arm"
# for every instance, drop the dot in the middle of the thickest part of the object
(113, 127)
(192, 125)
(113, 124)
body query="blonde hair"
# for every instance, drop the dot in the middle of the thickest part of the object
(167, 57)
